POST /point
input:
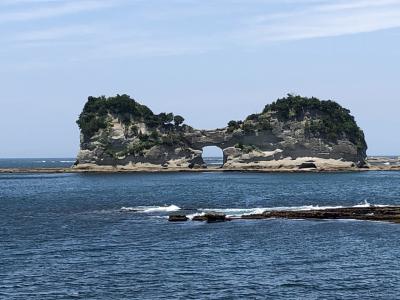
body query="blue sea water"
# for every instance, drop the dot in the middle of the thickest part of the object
(36, 162)
(106, 236)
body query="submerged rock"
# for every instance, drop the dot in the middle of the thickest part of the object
(211, 217)
(178, 218)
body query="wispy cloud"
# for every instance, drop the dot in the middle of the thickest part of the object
(18, 2)
(146, 48)
(151, 28)
(333, 18)
(355, 4)
(56, 9)
(57, 33)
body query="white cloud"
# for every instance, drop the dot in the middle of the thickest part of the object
(335, 6)
(143, 47)
(334, 18)
(18, 2)
(56, 9)
(187, 27)
(56, 33)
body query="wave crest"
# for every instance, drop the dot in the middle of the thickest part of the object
(236, 212)
(151, 209)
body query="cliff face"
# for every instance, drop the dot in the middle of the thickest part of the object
(293, 132)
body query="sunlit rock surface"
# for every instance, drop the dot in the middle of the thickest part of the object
(291, 133)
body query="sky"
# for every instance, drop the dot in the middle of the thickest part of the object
(210, 61)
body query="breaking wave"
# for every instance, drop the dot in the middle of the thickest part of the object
(151, 209)
(367, 204)
(235, 212)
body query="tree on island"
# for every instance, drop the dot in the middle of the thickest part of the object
(178, 120)
(166, 118)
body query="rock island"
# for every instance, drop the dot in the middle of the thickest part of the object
(292, 133)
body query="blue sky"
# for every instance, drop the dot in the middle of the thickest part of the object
(210, 61)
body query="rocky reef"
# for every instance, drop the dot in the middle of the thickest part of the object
(366, 213)
(292, 133)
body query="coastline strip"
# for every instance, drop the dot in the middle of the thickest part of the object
(109, 169)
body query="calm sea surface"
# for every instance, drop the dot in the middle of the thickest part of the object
(36, 162)
(106, 236)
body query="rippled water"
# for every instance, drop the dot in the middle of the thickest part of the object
(66, 236)
(36, 162)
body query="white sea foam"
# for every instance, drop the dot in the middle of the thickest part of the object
(151, 209)
(363, 204)
(191, 216)
(304, 207)
(367, 204)
(235, 212)
(124, 208)
(232, 212)
(67, 161)
(162, 209)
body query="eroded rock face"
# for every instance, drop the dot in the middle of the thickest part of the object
(293, 132)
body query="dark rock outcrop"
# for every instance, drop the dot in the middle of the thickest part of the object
(369, 213)
(308, 165)
(178, 218)
(211, 217)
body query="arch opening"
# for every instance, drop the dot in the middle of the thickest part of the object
(213, 156)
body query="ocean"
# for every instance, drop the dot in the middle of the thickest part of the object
(106, 236)
(36, 162)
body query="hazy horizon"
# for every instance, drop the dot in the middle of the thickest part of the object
(209, 61)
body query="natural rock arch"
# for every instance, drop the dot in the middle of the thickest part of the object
(120, 132)
(215, 153)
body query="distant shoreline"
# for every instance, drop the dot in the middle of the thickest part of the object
(375, 163)
(188, 170)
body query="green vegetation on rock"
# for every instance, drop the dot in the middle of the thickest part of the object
(178, 120)
(324, 118)
(127, 110)
(253, 123)
(96, 110)
(233, 125)
(246, 148)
